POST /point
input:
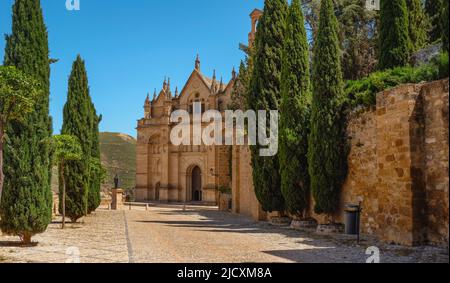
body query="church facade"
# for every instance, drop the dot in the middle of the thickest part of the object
(169, 173)
(184, 173)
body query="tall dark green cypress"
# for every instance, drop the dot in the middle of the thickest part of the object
(394, 42)
(78, 122)
(433, 10)
(265, 94)
(94, 197)
(444, 25)
(294, 111)
(327, 153)
(419, 25)
(26, 203)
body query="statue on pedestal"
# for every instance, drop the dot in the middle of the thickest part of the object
(116, 195)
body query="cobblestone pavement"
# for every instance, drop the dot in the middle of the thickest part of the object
(167, 234)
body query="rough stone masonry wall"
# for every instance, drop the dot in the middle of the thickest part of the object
(437, 159)
(398, 165)
(400, 176)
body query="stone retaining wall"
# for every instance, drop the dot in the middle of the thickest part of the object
(398, 166)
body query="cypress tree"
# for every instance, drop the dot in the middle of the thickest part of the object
(444, 25)
(264, 94)
(419, 25)
(327, 153)
(294, 109)
(26, 202)
(394, 42)
(433, 10)
(238, 96)
(94, 197)
(78, 123)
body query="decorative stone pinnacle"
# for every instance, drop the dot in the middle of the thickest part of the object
(214, 83)
(197, 63)
(221, 85)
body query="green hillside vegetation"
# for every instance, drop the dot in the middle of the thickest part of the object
(363, 92)
(118, 155)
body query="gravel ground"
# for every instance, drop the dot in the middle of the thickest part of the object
(100, 239)
(167, 234)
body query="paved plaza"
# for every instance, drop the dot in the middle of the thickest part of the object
(169, 234)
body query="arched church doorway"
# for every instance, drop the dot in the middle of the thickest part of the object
(196, 184)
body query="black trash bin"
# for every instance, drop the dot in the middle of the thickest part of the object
(352, 214)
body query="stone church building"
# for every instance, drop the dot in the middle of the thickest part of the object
(181, 173)
(184, 173)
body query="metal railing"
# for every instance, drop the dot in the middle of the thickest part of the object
(140, 204)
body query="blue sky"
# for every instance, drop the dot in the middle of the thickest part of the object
(130, 45)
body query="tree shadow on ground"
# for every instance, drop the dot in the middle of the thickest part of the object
(17, 244)
(216, 226)
(214, 221)
(69, 225)
(317, 255)
(303, 236)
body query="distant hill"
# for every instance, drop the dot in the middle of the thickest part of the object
(118, 154)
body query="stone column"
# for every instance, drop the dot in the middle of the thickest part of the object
(151, 171)
(165, 165)
(142, 170)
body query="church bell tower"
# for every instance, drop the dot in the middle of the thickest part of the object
(255, 16)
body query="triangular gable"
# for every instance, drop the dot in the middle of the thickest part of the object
(195, 74)
(161, 98)
(229, 85)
